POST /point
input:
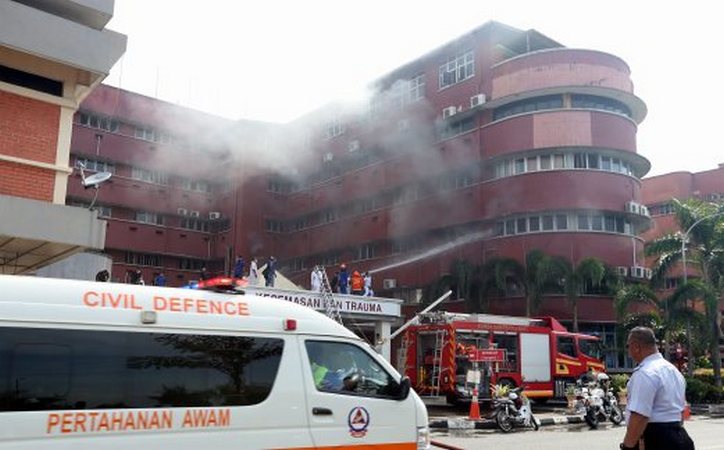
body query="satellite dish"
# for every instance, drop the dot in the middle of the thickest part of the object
(96, 179)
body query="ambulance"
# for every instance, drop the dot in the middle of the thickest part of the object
(87, 365)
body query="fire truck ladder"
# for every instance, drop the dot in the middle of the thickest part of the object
(330, 307)
(437, 362)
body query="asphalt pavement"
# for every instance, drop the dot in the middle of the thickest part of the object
(707, 433)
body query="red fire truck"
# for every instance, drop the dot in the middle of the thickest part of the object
(438, 352)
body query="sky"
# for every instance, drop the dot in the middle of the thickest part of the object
(276, 60)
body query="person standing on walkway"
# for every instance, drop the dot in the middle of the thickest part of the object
(253, 272)
(316, 280)
(656, 398)
(239, 267)
(357, 283)
(270, 272)
(368, 285)
(343, 280)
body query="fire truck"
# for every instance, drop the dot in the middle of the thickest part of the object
(442, 350)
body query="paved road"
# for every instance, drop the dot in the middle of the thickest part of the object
(708, 434)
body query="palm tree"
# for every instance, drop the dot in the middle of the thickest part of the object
(705, 249)
(589, 270)
(538, 276)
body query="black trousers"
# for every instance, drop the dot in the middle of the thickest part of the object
(667, 436)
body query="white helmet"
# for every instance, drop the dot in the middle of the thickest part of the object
(602, 377)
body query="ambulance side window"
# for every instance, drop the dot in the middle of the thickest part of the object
(347, 369)
(48, 369)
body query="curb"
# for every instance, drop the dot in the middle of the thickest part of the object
(489, 424)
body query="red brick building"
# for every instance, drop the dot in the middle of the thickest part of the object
(502, 137)
(42, 82)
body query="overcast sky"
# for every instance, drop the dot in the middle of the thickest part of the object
(276, 60)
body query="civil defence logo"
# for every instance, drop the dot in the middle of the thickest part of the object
(358, 421)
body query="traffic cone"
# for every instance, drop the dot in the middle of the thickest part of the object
(687, 411)
(474, 407)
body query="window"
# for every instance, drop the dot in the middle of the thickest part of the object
(583, 223)
(273, 226)
(191, 264)
(602, 103)
(194, 185)
(528, 105)
(610, 223)
(334, 128)
(545, 162)
(567, 346)
(559, 161)
(104, 211)
(534, 223)
(606, 162)
(44, 369)
(547, 223)
(579, 160)
(149, 176)
(149, 217)
(416, 88)
(597, 223)
(457, 69)
(347, 369)
(143, 259)
(519, 165)
(532, 164)
(366, 251)
(194, 223)
(671, 283)
(561, 222)
(522, 225)
(145, 133)
(591, 347)
(457, 128)
(96, 166)
(510, 226)
(593, 161)
(99, 122)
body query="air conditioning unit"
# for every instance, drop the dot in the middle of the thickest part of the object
(644, 211)
(477, 100)
(632, 207)
(194, 214)
(327, 157)
(389, 283)
(182, 212)
(214, 215)
(622, 271)
(648, 273)
(449, 112)
(638, 272)
(353, 146)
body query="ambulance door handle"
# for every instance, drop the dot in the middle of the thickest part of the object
(321, 411)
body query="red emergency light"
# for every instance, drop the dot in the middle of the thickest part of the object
(222, 283)
(290, 324)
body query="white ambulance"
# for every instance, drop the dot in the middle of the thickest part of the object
(88, 365)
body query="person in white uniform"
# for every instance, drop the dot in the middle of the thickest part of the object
(656, 398)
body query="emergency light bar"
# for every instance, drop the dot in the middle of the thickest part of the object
(221, 283)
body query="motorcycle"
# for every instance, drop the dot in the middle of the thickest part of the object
(513, 410)
(598, 403)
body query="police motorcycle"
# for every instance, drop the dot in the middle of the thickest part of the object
(597, 402)
(512, 409)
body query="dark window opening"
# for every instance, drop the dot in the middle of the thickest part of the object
(31, 81)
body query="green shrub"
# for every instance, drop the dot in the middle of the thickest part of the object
(619, 382)
(699, 391)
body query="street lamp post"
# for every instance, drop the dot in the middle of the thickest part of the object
(684, 239)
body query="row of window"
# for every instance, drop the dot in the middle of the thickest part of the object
(562, 160)
(662, 209)
(564, 221)
(151, 176)
(397, 196)
(99, 122)
(156, 260)
(548, 102)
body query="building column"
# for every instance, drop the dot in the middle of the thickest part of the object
(382, 339)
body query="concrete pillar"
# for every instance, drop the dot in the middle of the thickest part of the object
(382, 334)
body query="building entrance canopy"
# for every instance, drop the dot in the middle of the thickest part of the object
(34, 233)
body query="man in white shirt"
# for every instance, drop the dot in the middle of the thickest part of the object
(656, 398)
